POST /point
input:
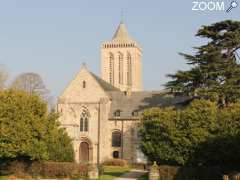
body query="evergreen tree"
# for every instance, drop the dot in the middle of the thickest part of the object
(215, 72)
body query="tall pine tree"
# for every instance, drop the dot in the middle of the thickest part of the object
(215, 72)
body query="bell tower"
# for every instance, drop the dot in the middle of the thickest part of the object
(121, 61)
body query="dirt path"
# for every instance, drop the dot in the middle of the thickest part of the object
(133, 174)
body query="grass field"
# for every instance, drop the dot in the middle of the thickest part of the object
(144, 177)
(111, 172)
(4, 177)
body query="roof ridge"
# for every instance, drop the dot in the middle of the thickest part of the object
(104, 84)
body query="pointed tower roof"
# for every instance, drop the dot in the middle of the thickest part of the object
(121, 36)
(121, 32)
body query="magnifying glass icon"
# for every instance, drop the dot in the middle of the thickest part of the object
(233, 4)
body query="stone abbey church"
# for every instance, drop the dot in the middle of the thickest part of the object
(101, 114)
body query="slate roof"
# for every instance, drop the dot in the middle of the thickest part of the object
(138, 101)
(105, 85)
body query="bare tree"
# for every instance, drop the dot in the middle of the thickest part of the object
(3, 76)
(31, 83)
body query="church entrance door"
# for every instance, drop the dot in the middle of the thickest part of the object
(84, 152)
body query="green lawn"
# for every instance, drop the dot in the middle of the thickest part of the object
(4, 177)
(111, 172)
(144, 177)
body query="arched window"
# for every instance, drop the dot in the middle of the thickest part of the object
(86, 125)
(116, 139)
(116, 154)
(120, 68)
(129, 69)
(81, 124)
(111, 68)
(84, 84)
(84, 121)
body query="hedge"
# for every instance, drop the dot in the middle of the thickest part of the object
(115, 162)
(45, 169)
(189, 173)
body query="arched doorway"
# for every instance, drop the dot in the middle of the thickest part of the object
(84, 152)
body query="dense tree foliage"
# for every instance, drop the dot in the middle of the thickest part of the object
(28, 130)
(215, 72)
(59, 144)
(200, 134)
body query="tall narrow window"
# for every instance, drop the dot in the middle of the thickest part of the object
(120, 68)
(129, 69)
(111, 68)
(116, 139)
(84, 121)
(86, 125)
(81, 124)
(84, 84)
(116, 154)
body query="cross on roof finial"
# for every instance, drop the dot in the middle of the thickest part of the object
(122, 15)
(84, 65)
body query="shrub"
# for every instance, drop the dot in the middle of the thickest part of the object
(17, 167)
(189, 173)
(22, 168)
(35, 169)
(142, 166)
(57, 169)
(115, 162)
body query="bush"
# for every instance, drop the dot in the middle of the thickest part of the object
(115, 162)
(189, 173)
(142, 166)
(57, 169)
(17, 168)
(35, 169)
(22, 168)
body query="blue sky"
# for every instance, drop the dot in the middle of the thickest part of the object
(54, 37)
